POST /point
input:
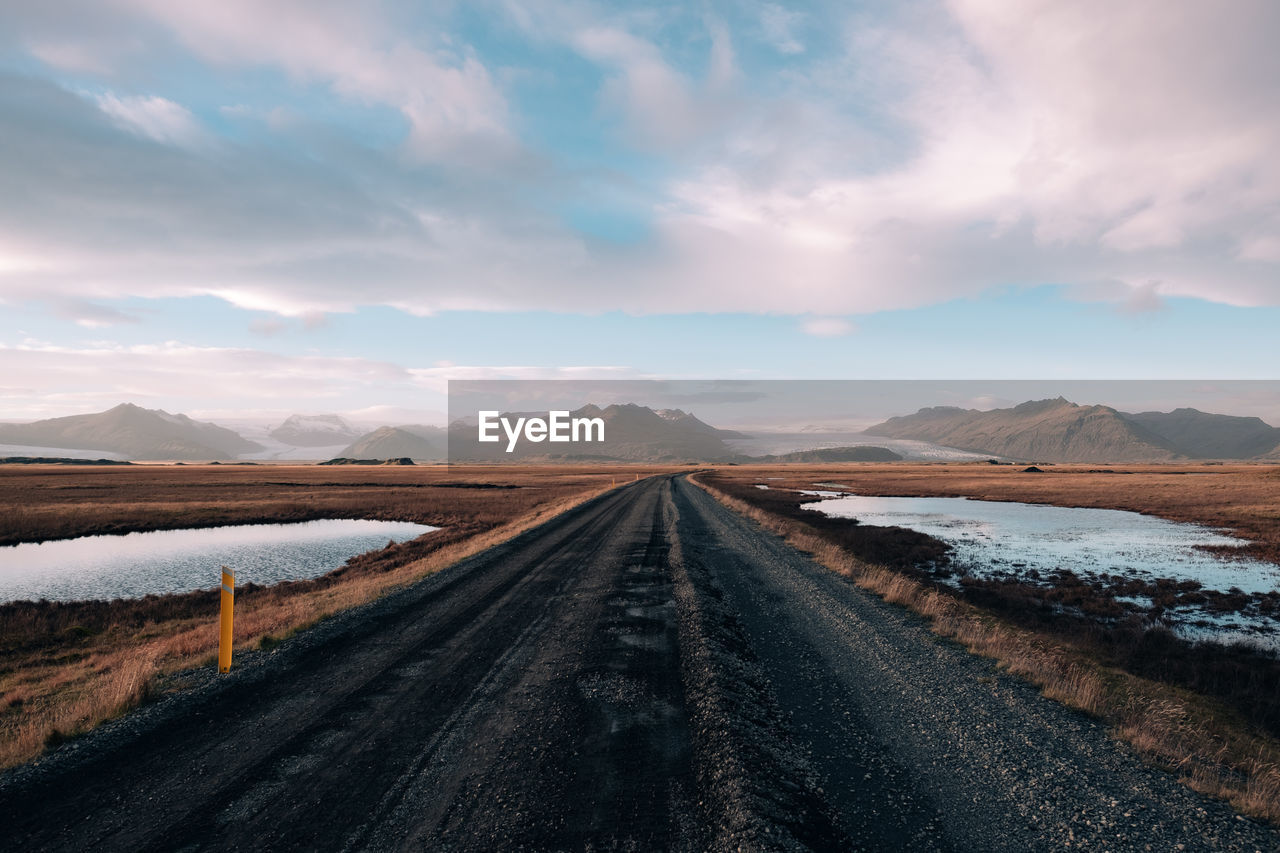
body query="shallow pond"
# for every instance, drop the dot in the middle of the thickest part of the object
(989, 535)
(1018, 540)
(161, 561)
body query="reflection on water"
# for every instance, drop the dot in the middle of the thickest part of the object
(1007, 539)
(163, 561)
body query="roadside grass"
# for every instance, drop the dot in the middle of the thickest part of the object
(67, 667)
(1207, 744)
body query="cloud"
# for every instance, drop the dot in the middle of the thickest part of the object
(438, 378)
(1260, 247)
(935, 153)
(383, 415)
(1044, 144)
(91, 316)
(778, 24)
(235, 382)
(1144, 131)
(657, 100)
(156, 118)
(179, 376)
(361, 51)
(659, 104)
(827, 327)
(293, 235)
(451, 103)
(1145, 299)
(267, 328)
(71, 56)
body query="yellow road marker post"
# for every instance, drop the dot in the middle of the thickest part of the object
(228, 607)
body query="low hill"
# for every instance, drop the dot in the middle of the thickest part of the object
(412, 442)
(315, 431)
(859, 453)
(342, 460)
(57, 460)
(133, 432)
(1051, 430)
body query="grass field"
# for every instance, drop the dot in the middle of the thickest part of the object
(1208, 712)
(58, 502)
(64, 667)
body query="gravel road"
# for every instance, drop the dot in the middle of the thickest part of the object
(919, 745)
(648, 671)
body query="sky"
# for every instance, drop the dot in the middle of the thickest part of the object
(244, 209)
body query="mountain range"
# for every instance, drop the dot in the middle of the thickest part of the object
(1058, 430)
(314, 431)
(1054, 430)
(631, 433)
(133, 432)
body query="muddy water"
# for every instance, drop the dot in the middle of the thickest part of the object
(163, 561)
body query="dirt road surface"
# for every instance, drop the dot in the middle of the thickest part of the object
(648, 671)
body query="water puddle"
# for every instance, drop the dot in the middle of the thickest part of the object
(163, 561)
(1032, 542)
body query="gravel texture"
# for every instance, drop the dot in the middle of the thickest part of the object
(918, 744)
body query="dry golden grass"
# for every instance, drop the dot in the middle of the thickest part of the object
(63, 671)
(1210, 748)
(39, 502)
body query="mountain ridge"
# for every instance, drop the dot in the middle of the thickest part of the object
(1058, 430)
(1205, 435)
(314, 431)
(388, 442)
(1050, 430)
(133, 432)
